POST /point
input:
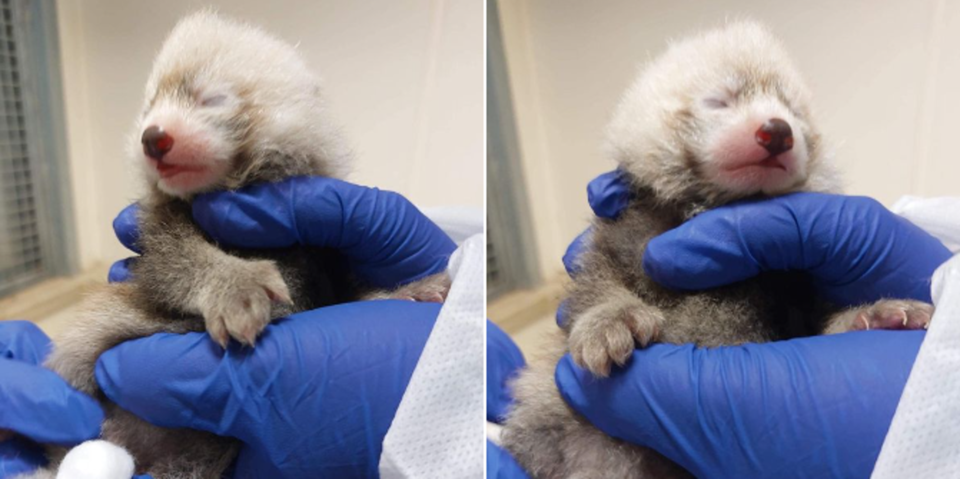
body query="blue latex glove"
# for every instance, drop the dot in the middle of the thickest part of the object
(856, 250)
(815, 407)
(608, 194)
(386, 239)
(314, 398)
(501, 465)
(831, 237)
(504, 359)
(811, 407)
(36, 403)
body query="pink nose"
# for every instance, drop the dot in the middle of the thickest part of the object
(156, 142)
(776, 136)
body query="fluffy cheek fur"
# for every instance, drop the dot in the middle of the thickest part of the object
(200, 157)
(734, 161)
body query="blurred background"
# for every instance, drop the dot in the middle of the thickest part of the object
(404, 80)
(885, 77)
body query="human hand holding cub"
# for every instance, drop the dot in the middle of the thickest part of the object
(817, 406)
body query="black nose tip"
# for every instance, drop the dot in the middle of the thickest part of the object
(156, 142)
(776, 136)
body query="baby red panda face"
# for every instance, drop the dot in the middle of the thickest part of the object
(751, 139)
(227, 105)
(187, 137)
(720, 116)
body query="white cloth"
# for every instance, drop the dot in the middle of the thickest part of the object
(438, 429)
(924, 437)
(458, 222)
(938, 216)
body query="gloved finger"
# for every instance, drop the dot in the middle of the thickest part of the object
(348, 349)
(40, 405)
(576, 248)
(127, 229)
(561, 315)
(501, 465)
(504, 360)
(23, 341)
(120, 271)
(388, 240)
(856, 250)
(20, 456)
(823, 403)
(608, 194)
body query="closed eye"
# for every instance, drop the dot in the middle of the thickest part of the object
(213, 100)
(715, 103)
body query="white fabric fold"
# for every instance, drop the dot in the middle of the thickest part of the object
(924, 437)
(438, 429)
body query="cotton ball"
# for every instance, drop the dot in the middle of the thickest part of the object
(96, 460)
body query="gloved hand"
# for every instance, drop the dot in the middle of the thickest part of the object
(386, 239)
(608, 194)
(504, 359)
(284, 402)
(36, 403)
(831, 237)
(314, 398)
(501, 465)
(810, 407)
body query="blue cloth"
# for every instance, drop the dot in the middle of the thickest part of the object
(314, 398)
(36, 403)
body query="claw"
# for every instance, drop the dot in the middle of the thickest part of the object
(221, 339)
(249, 337)
(279, 296)
(432, 298)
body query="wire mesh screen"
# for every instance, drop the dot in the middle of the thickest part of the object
(496, 283)
(21, 258)
(34, 228)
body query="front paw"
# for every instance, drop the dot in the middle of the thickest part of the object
(237, 305)
(884, 314)
(607, 334)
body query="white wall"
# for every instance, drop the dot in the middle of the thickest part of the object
(886, 79)
(405, 79)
